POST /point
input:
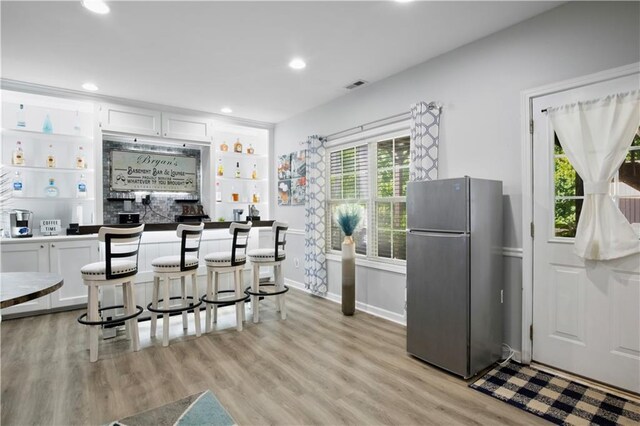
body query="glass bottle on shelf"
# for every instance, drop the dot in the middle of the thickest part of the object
(250, 149)
(80, 163)
(237, 147)
(254, 172)
(47, 126)
(255, 197)
(81, 188)
(51, 159)
(220, 167)
(76, 122)
(18, 155)
(235, 197)
(51, 190)
(18, 189)
(237, 170)
(21, 122)
(224, 147)
(218, 193)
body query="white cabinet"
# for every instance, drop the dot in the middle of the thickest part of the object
(66, 258)
(26, 257)
(126, 119)
(186, 128)
(60, 257)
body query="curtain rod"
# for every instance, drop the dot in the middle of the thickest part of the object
(370, 125)
(377, 123)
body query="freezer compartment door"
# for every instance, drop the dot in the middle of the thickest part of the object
(438, 205)
(438, 299)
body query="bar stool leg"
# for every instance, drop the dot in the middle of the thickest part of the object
(154, 304)
(255, 287)
(183, 288)
(133, 323)
(165, 316)
(238, 286)
(242, 304)
(276, 272)
(93, 315)
(207, 326)
(196, 310)
(216, 278)
(125, 303)
(280, 286)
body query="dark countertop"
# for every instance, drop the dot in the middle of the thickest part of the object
(93, 229)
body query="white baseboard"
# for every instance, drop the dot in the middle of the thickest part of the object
(363, 307)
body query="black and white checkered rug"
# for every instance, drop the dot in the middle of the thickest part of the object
(556, 399)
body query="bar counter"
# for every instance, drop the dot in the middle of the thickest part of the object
(171, 226)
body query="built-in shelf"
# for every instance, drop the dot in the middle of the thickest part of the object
(50, 136)
(44, 198)
(240, 179)
(240, 202)
(238, 154)
(49, 169)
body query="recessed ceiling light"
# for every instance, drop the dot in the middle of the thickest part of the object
(404, 1)
(297, 64)
(96, 6)
(227, 110)
(90, 86)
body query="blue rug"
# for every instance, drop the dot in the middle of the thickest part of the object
(195, 410)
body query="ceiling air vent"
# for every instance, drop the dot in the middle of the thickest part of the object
(355, 84)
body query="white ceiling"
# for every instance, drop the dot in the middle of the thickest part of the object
(206, 55)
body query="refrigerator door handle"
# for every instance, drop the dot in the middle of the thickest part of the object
(439, 234)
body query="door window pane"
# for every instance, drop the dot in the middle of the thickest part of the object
(567, 213)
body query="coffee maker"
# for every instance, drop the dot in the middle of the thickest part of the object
(20, 223)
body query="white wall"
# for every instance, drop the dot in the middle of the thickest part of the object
(479, 86)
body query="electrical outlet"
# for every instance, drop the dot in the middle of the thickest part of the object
(146, 200)
(296, 262)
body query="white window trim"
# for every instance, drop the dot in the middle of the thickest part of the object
(369, 137)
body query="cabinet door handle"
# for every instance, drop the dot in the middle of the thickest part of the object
(53, 245)
(41, 246)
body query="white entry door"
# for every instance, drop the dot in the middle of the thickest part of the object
(586, 314)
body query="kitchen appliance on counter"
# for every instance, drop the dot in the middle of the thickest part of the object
(454, 273)
(253, 213)
(20, 223)
(237, 215)
(128, 217)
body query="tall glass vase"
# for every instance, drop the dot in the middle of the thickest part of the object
(348, 276)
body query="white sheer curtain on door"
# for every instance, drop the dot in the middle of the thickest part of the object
(596, 137)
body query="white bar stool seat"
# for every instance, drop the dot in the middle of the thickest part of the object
(269, 257)
(225, 262)
(121, 244)
(165, 269)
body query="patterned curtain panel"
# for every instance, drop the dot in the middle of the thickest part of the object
(315, 264)
(425, 130)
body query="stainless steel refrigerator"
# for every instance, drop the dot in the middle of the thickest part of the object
(454, 273)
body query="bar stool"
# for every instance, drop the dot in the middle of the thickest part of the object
(120, 243)
(166, 268)
(269, 257)
(227, 261)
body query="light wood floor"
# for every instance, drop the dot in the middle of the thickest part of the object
(317, 367)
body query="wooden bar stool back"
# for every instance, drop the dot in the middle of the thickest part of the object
(269, 257)
(224, 262)
(119, 268)
(165, 269)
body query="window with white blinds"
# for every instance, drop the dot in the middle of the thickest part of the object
(349, 184)
(375, 175)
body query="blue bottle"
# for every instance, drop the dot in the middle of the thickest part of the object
(47, 127)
